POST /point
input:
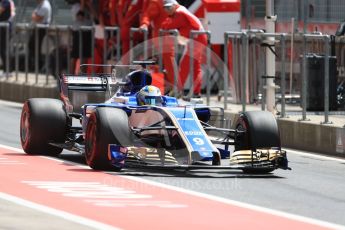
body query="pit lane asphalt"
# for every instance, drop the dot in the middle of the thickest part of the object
(314, 188)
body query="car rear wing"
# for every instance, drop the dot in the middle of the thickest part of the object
(87, 83)
(84, 83)
(100, 81)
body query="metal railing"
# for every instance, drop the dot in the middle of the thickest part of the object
(45, 60)
(5, 26)
(234, 36)
(145, 45)
(109, 31)
(248, 66)
(242, 38)
(327, 54)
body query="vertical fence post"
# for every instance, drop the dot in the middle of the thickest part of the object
(175, 64)
(327, 41)
(131, 43)
(118, 47)
(236, 66)
(262, 66)
(146, 34)
(47, 55)
(36, 53)
(208, 64)
(292, 52)
(234, 36)
(81, 61)
(105, 46)
(235, 61)
(191, 64)
(196, 46)
(162, 34)
(7, 49)
(92, 50)
(27, 27)
(160, 50)
(69, 31)
(283, 73)
(253, 56)
(225, 70)
(16, 55)
(304, 80)
(57, 54)
(244, 66)
(110, 31)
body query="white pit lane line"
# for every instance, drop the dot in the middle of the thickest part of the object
(315, 156)
(65, 215)
(212, 197)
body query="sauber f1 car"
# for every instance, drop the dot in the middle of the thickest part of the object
(122, 132)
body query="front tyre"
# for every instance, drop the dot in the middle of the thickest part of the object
(260, 131)
(43, 120)
(105, 126)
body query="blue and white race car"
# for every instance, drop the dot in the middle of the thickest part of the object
(138, 127)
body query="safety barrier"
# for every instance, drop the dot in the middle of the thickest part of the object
(247, 59)
(56, 42)
(327, 54)
(244, 54)
(240, 70)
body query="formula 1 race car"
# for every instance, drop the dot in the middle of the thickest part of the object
(136, 126)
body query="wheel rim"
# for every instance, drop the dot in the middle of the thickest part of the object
(24, 127)
(242, 126)
(243, 139)
(91, 139)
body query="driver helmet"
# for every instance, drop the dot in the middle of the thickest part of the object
(149, 95)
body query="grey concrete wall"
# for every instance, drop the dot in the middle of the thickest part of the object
(19, 92)
(308, 136)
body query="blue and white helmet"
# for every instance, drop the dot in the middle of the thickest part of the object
(149, 95)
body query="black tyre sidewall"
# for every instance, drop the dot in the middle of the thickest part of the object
(261, 131)
(47, 122)
(105, 126)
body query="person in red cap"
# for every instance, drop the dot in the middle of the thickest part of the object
(184, 21)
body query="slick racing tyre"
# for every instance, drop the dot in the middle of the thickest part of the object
(260, 131)
(43, 121)
(105, 126)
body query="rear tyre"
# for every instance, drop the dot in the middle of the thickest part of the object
(105, 126)
(261, 131)
(43, 121)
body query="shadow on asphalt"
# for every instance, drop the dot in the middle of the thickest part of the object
(71, 159)
(193, 174)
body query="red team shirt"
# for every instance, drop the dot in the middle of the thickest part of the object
(184, 21)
